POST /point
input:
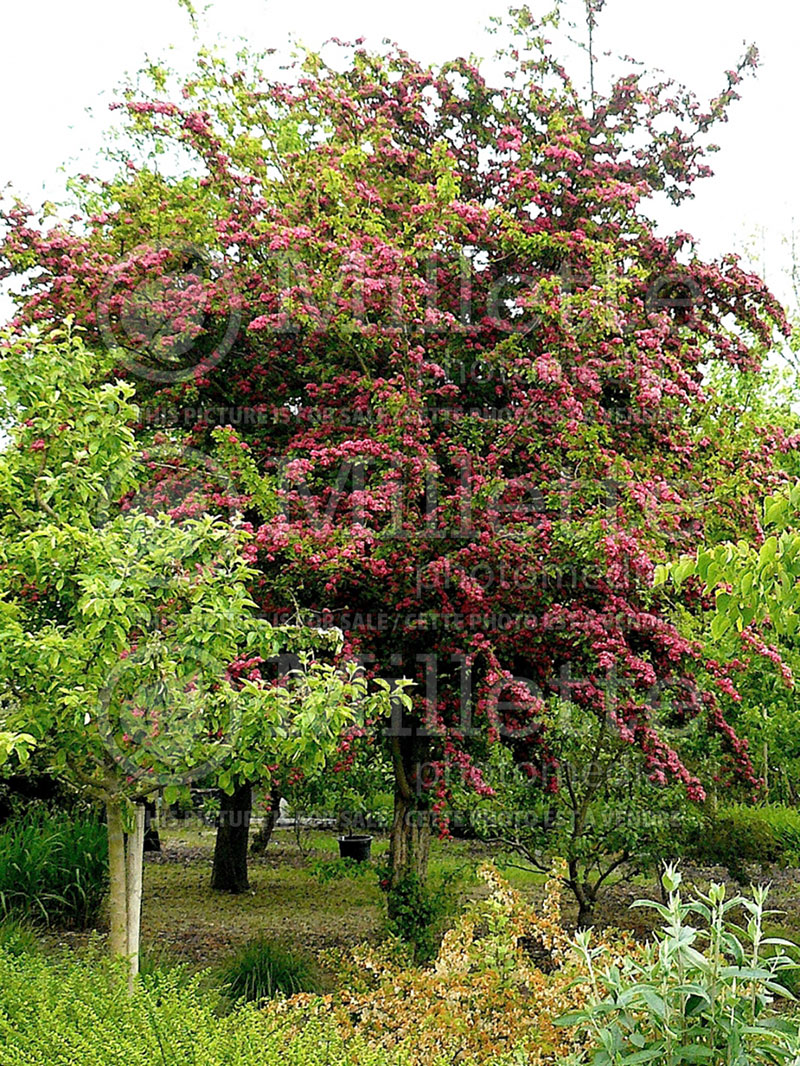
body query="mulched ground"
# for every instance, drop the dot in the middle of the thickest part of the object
(183, 917)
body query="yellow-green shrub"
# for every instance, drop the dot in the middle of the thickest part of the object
(485, 996)
(76, 1012)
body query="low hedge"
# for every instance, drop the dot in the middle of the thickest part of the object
(739, 834)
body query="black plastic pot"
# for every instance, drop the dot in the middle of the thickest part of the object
(355, 847)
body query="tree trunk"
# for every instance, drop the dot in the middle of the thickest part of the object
(125, 865)
(134, 870)
(229, 873)
(152, 841)
(585, 913)
(766, 770)
(264, 834)
(409, 844)
(118, 901)
(585, 896)
(410, 840)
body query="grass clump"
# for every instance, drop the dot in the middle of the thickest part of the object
(264, 970)
(53, 869)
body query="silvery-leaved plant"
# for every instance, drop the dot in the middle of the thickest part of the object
(702, 991)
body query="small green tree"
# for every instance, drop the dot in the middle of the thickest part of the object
(749, 624)
(754, 583)
(120, 625)
(606, 819)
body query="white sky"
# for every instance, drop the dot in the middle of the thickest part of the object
(61, 56)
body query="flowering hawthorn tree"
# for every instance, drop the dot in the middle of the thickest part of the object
(459, 370)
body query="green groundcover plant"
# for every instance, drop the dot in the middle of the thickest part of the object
(60, 1013)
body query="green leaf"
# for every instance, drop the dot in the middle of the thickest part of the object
(769, 549)
(693, 1053)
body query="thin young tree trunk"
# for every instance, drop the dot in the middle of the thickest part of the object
(134, 870)
(267, 827)
(766, 770)
(118, 904)
(152, 841)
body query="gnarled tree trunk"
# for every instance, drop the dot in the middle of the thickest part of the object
(229, 873)
(409, 844)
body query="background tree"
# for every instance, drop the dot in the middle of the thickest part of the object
(607, 822)
(734, 600)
